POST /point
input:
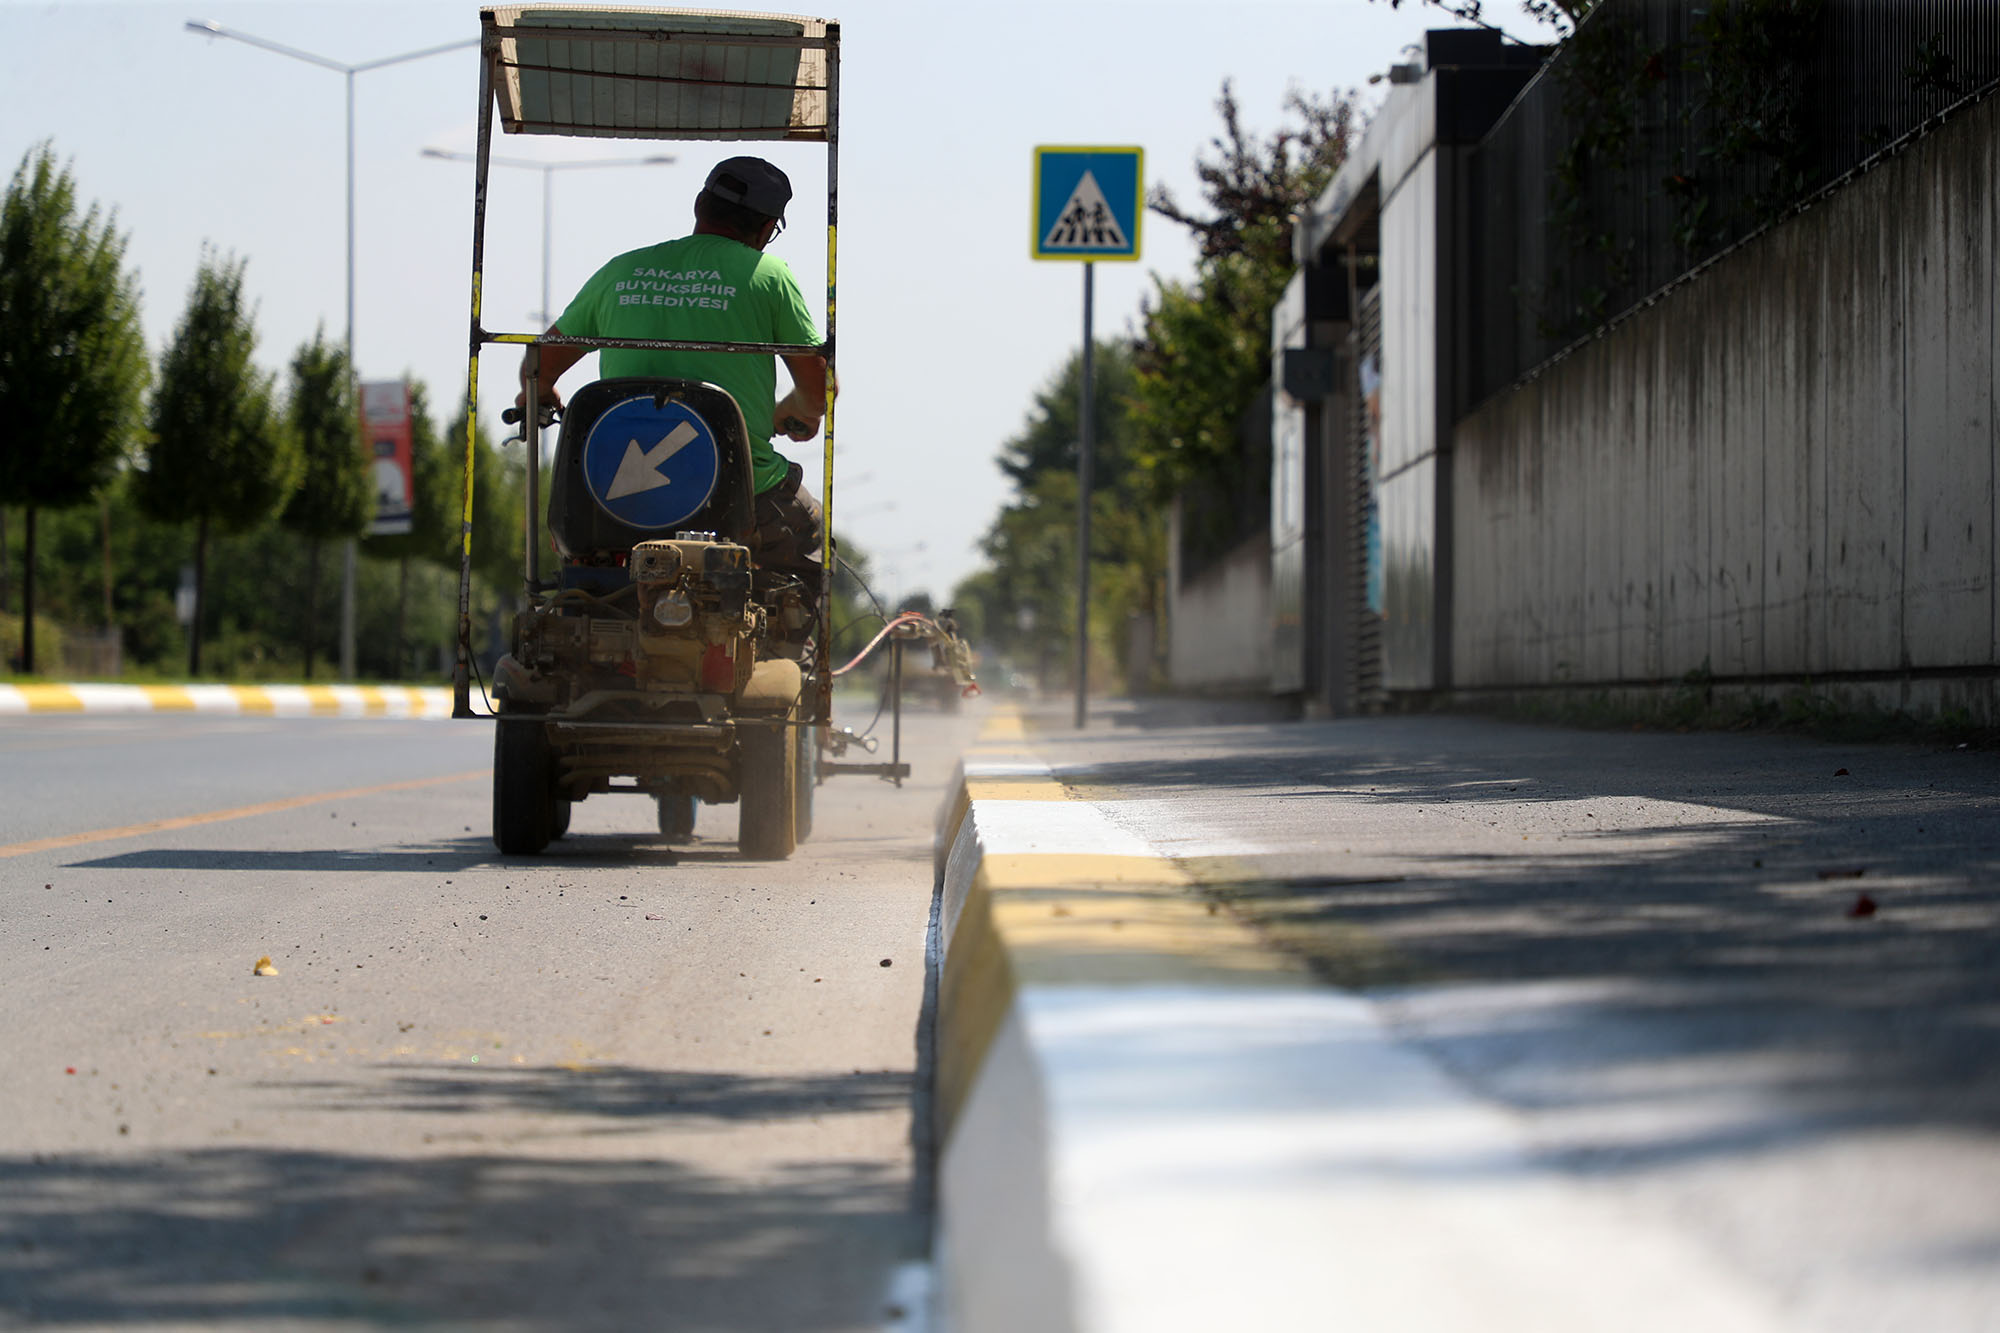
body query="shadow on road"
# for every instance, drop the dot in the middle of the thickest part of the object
(241, 1237)
(1709, 923)
(619, 1091)
(456, 854)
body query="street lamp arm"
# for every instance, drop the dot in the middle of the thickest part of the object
(659, 160)
(414, 55)
(451, 155)
(210, 28)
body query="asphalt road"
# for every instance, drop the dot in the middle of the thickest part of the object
(1743, 988)
(620, 1086)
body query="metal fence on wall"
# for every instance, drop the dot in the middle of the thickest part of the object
(1663, 132)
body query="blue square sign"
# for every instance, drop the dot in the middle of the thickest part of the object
(1089, 202)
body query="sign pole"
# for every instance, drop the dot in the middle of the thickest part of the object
(1089, 205)
(1085, 451)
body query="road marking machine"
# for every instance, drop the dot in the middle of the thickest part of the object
(655, 656)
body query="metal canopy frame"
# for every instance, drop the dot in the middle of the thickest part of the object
(616, 72)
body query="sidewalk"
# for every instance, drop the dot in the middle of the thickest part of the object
(1443, 1024)
(270, 700)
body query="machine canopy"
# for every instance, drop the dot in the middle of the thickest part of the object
(593, 72)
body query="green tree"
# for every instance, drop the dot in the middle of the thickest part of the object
(222, 456)
(72, 356)
(1048, 438)
(332, 500)
(499, 507)
(1205, 350)
(1024, 603)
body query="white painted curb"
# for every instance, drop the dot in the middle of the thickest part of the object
(1136, 1156)
(405, 701)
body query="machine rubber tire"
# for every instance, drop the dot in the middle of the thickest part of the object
(676, 815)
(807, 778)
(524, 797)
(559, 825)
(767, 792)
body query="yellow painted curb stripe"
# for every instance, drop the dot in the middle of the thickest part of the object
(1100, 920)
(1024, 788)
(169, 698)
(321, 698)
(218, 816)
(50, 698)
(373, 702)
(251, 699)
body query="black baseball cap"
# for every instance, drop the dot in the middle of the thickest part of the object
(753, 183)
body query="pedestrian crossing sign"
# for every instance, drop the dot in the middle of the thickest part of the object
(1089, 202)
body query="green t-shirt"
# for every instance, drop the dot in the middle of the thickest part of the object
(700, 289)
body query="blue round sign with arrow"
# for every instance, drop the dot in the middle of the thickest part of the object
(651, 466)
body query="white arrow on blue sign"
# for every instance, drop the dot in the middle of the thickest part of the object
(1089, 202)
(650, 466)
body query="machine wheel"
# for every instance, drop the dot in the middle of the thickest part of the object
(807, 778)
(524, 798)
(767, 783)
(559, 826)
(676, 815)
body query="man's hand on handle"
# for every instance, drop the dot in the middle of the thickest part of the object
(799, 412)
(796, 418)
(555, 361)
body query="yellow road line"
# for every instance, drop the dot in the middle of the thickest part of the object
(218, 816)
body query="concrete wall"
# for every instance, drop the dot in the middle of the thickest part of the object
(1406, 476)
(1289, 480)
(1784, 468)
(1219, 623)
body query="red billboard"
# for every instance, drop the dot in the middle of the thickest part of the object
(385, 426)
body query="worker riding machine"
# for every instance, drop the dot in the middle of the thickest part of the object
(655, 657)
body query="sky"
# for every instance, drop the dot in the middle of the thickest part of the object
(947, 327)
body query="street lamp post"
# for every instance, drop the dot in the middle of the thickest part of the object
(209, 28)
(547, 314)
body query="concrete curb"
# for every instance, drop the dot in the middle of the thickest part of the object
(1051, 918)
(254, 700)
(1147, 1121)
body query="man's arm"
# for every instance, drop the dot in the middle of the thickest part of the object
(555, 362)
(806, 403)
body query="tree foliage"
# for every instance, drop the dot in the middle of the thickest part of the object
(72, 357)
(1168, 406)
(499, 507)
(1560, 15)
(1024, 602)
(73, 362)
(1048, 438)
(332, 498)
(221, 453)
(1205, 349)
